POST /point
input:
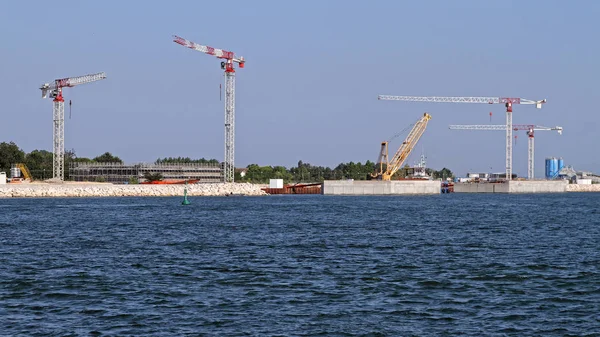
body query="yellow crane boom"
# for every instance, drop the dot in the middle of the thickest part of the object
(25, 171)
(403, 151)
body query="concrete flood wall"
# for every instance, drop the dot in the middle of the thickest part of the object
(372, 187)
(542, 186)
(480, 188)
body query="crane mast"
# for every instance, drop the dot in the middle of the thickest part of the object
(529, 128)
(228, 66)
(58, 116)
(403, 151)
(507, 101)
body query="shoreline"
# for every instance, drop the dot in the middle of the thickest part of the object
(91, 189)
(66, 190)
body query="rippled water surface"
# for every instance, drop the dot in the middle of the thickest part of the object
(514, 265)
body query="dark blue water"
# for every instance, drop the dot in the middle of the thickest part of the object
(475, 265)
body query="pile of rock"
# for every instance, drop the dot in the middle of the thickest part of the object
(110, 190)
(583, 188)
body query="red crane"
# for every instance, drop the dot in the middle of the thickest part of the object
(229, 59)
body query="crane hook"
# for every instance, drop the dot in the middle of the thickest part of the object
(70, 109)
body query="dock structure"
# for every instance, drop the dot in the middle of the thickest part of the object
(514, 186)
(377, 187)
(416, 187)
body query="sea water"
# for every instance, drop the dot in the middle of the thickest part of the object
(459, 264)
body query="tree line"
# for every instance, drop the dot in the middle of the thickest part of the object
(185, 160)
(39, 163)
(307, 173)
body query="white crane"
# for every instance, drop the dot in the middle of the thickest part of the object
(516, 127)
(58, 112)
(227, 65)
(507, 101)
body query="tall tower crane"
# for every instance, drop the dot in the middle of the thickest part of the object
(507, 101)
(54, 90)
(228, 63)
(403, 151)
(529, 128)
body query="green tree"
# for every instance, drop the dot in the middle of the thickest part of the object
(441, 174)
(70, 157)
(280, 172)
(149, 176)
(185, 160)
(10, 154)
(107, 157)
(39, 163)
(82, 160)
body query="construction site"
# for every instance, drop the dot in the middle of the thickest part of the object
(385, 180)
(557, 177)
(124, 174)
(118, 173)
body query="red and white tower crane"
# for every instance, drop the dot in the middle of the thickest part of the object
(507, 101)
(229, 59)
(55, 90)
(529, 128)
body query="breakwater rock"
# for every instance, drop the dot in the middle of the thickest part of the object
(583, 188)
(42, 190)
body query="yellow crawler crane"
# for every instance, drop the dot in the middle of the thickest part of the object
(386, 173)
(25, 171)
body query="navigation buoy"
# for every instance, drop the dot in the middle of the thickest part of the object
(185, 199)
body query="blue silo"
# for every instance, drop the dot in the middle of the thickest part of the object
(551, 167)
(561, 164)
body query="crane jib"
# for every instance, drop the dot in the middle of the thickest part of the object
(403, 151)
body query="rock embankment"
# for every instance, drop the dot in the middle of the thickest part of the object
(109, 190)
(583, 188)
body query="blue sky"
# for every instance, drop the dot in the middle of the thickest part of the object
(310, 85)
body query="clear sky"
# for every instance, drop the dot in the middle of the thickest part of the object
(310, 85)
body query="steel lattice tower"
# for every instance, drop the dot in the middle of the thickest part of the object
(229, 169)
(227, 65)
(58, 149)
(58, 117)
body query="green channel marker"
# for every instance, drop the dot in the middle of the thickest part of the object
(185, 200)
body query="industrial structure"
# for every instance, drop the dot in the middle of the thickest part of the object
(123, 174)
(507, 101)
(529, 128)
(55, 90)
(553, 167)
(20, 173)
(386, 169)
(228, 63)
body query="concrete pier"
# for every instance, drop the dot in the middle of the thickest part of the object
(535, 186)
(376, 187)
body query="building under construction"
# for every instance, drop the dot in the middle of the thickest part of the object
(123, 174)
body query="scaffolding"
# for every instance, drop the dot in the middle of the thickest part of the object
(124, 174)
